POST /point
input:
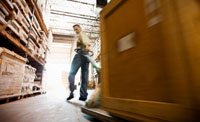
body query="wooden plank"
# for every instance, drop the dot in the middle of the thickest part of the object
(2, 19)
(5, 6)
(25, 24)
(4, 10)
(36, 26)
(35, 31)
(27, 17)
(2, 15)
(9, 4)
(36, 23)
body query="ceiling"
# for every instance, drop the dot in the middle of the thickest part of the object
(65, 13)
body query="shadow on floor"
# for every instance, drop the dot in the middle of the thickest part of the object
(91, 118)
(75, 104)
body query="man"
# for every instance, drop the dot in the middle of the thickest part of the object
(80, 61)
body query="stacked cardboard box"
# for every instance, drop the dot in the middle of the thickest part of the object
(12, 67)
(28, 81)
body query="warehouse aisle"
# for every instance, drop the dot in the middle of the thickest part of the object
(50, 107)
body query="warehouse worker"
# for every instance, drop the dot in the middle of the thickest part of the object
(79, 60)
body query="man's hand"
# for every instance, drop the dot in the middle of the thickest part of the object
(87, 48)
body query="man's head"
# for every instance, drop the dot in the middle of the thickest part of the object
(77, 28)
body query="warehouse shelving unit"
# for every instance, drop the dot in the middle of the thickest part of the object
(11, 41)
(19, 45)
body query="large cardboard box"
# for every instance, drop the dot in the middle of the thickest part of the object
(151, 60)
(12, 67)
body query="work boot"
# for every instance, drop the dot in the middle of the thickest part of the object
(83, 98)
(70, 96)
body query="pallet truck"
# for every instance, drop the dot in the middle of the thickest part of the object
(96, 112)
(88, 55)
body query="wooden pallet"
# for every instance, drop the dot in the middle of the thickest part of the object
(17, 30)
(101, 114)
(25, 9)
(20, 18)
(22, 14)
(14, 97)
(39, 17)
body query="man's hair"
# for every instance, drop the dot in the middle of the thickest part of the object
(76, 25)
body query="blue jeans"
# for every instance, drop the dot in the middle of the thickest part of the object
(79, 61)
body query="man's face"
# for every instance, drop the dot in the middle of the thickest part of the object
(77, 29)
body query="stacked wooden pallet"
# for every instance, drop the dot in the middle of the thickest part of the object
(19, 20)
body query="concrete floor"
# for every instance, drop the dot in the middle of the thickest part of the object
(50, 107)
